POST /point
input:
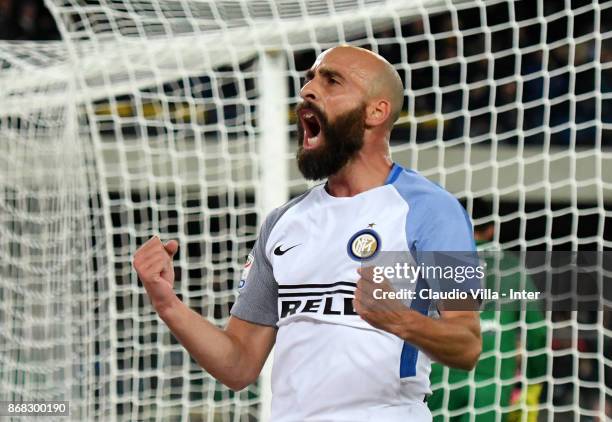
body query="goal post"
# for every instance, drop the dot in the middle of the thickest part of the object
(273, 150)
(174, 118)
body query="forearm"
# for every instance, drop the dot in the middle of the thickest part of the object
(234, 355)
(215, 350)
(454, 342)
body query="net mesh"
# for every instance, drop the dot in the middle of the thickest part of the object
(143, 120)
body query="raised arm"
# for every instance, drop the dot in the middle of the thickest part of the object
(234, 355)
(453, 340)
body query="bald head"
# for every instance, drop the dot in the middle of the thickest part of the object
(377, 74)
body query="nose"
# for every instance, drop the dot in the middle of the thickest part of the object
(308, 91)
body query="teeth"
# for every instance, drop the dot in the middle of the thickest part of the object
(313, 141)
(308, 115)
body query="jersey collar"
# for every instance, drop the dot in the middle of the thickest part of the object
(393, 174)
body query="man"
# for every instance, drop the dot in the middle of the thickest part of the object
(337, 357)
(495, 372)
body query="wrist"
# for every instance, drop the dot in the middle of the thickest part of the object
(166, 308)
(405, 326)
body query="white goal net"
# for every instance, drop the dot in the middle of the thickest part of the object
(174, 117)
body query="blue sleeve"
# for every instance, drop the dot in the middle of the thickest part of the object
(440, 235)
(438, 232)
(441, 225)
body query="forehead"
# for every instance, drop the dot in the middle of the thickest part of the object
(349, 64)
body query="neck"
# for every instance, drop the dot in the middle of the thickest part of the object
(367, 170)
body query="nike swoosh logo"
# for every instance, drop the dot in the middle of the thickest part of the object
(278, 251)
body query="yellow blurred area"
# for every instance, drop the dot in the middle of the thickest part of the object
(185, 112)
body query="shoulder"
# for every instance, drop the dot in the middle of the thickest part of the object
(277, 214)
(436, 221)
(425, 196)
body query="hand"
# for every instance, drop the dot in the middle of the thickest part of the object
(153, 263)
(383, 313)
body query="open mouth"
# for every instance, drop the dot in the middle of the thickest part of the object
(312, 128)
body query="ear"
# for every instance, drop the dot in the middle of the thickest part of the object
(377, 112)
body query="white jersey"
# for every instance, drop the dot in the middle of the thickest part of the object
(329, 364)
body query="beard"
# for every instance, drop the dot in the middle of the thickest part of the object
(342, 140)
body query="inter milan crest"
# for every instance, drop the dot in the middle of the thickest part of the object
(363, 245)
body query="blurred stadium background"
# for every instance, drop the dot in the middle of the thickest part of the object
(122, 119)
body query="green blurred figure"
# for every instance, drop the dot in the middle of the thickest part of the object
(497, 368)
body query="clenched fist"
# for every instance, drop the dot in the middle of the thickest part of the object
(153, 263)
(377, 310)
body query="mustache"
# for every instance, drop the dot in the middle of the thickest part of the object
(313, 107)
